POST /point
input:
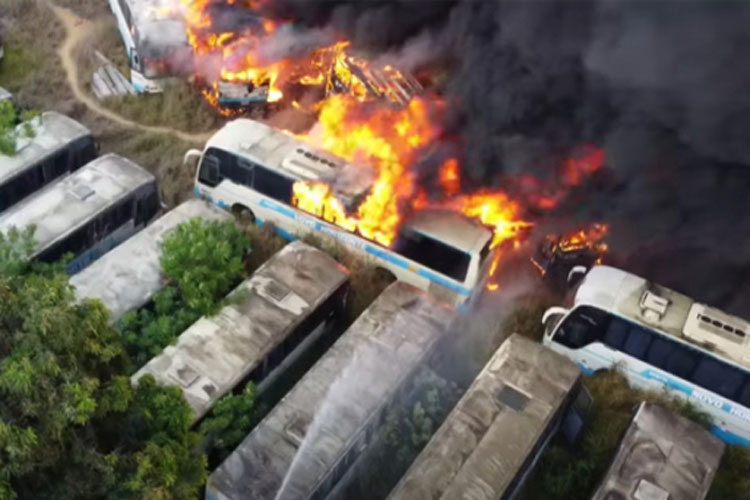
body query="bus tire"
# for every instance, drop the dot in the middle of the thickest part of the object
(243, 213)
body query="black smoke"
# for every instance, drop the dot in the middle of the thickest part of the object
(663, 87)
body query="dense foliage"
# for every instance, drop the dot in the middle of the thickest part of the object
(9, 131)
(71, 426)
(202, 261)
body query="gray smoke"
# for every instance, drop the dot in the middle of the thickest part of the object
(661, 86)
(291, 42)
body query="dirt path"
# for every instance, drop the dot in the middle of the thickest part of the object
(76, 29)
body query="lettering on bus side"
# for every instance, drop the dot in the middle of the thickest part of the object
(705, 398)
(740, 413)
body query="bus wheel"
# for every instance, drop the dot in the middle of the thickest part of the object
(243, 213)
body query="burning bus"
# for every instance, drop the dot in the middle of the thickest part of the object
(216, 45)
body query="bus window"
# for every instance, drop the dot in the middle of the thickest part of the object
(744, 397)
(616, 333)
(681, 362)
(637, 341)
(273, 185)
(209, 171)
(584, 326)
(660, 350)
(717, 377)
(433, 254)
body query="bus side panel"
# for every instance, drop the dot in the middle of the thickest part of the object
(100, 248)
(731, 421)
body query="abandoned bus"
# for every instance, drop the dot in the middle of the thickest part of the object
(88, 212)
(310, 439)
(660, 339)
(662, 456)
(280, 312)
(57, 145)
(491, 440)
(155, 40)
(127, 277)
(250, 168)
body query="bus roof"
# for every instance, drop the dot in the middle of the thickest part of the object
(126, 277)
(348, 388)
(65, 205)
(451, 228)
(282, 152)
(496, 425)
(51, 131)
(662, 456)
(216, 353)
(660, 308)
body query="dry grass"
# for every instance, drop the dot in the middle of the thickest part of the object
(367, 281)
(181, 107)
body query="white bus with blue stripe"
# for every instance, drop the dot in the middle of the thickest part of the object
(250, 168)
(660, 339)
(156, 42)
(87, 213)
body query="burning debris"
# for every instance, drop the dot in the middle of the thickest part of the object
(558, 255)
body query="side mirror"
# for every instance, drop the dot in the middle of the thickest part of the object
(553, 311)
(191, 159)
(576, 274)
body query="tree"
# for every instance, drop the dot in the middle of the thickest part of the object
(9, 131)
(204, 260)
(67, 410)
(230, 421)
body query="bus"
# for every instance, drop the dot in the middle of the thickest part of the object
(303, 447)
(126, 278)
(56, 146)
(250, 168)
(662, 456)
(87, 213)
(280, 312)
(660, 339)
(494, 436)
(155, 40)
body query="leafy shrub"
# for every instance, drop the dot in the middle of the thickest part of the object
(204, 260)
(9, 132)
(230, 421)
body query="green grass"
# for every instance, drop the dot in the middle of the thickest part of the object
(16, 67)
(575, 474)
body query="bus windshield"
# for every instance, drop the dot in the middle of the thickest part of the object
(433, 254)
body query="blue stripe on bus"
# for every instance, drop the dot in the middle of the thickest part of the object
(370, 249)
(728, 437)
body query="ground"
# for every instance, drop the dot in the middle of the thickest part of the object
(154, 130)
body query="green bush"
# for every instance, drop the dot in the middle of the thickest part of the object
(9, 132)
(203, 261)
(230, 421)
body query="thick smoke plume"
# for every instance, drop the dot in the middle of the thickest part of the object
(661, 86)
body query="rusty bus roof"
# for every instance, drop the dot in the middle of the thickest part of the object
(341, 397)
(662, 456)
(484, 442)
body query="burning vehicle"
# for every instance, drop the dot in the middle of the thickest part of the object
(216, 45)
(562, 259)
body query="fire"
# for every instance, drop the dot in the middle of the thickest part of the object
(383, 137)
(590, 237)
(448, 176)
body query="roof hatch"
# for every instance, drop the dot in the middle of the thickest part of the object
(653, 306)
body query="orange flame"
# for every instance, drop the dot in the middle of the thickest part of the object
(449, 178)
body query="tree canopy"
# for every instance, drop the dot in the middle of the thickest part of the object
(71, 425)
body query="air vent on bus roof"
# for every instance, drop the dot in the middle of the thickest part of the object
(81, 191)
(646, 490)
(707, 325)
(305, 163)
(296, 429)
(653, 307)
